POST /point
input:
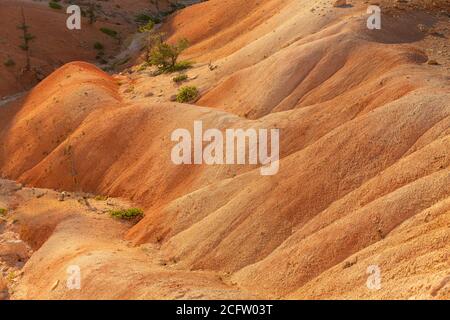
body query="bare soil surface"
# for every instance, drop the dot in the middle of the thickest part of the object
(364, 174)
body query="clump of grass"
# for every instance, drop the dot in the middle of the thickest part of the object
(177, 67)
(109, 32)
(98, 46)
(9, 62)
(3, 211)
(143, 66)
(187, 94)
(180, 78)
(54, 5)
(11, 276)
(147, 27)
(127, 214)
(142, 18)
(101, 198)
(180, 66)
(145, 18)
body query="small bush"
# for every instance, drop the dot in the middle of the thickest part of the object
(2, 211)
(180, 78)
(164, 55)
(147, 27)
(142, 66)
(142, 18)
(9, 62)
(54, 5)
(156, 20)
(101, 198)
(11, 276)
(180, 66)
(187, 94)
(127, 214)
(109, 32)
(98, 46)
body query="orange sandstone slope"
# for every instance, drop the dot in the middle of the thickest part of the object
(365, 139)
(53, 44)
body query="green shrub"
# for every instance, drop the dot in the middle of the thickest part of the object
(109, 32)
(156, 20)
(164, 55)
(11, 276)
(180, 78)
(2, 211)
(142, 18)
(54, 5)
(180, 66)
(187, 94)
(101, 198)
(127, 214)
(9, 62)
(147, 27)
(142, 66)
(98, 46)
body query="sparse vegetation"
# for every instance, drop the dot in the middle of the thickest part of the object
(11, 276)
(2, 211)
(142, 66)
(9, 62)
(127, 214)
(144, 18)
(54, 5)
(187, 94)
(100, 198)
(165, 56)
(109, 32)
(98, 46)
(180, 66)
(180, 78)
(147, 27)
(26, 37)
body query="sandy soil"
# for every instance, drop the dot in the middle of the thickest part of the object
(364, 173)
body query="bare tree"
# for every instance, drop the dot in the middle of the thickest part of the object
(26, 37)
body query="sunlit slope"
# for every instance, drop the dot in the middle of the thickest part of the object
(365, 140)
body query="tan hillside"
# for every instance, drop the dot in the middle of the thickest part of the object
(364, 173)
